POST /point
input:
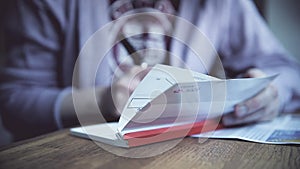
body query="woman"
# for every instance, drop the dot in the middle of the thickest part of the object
(44, 38)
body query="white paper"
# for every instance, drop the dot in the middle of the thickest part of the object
(282, 130)
(105, 133)
(171, 95)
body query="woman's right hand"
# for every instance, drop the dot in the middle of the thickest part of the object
(122, 87)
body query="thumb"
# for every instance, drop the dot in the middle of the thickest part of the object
(254, 72)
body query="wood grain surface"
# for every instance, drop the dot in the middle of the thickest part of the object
(61, 150)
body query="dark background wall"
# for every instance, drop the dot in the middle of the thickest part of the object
(283, 17)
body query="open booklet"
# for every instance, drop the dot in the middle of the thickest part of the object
(285, 129)
(170, 103)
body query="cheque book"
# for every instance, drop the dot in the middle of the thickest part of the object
(171, 103)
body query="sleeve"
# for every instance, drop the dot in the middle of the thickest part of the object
(248, 43)
(28, 79)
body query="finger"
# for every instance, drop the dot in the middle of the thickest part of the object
(231, 119)
(135, 77)
(119, 99)
(132, 85)
(267, 113)
(125, 85)
(139, 72)
(259, 101)
(255, 73)
(128, 69)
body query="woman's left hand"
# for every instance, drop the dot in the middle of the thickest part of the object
(262, 107)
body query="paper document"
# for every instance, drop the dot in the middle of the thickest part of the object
(170, 95)
(282, 130)
(171, 103)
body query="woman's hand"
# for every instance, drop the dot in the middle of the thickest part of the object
(262, 107)
(122, 87)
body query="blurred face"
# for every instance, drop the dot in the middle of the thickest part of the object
(148, 45)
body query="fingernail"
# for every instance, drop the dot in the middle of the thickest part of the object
(241, 110)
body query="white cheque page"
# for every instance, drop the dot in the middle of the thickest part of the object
(184, 95)
(282, 130)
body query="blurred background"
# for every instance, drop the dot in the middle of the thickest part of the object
(281, 15)
(283, 19)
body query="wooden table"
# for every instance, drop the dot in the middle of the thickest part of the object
(61, 150)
